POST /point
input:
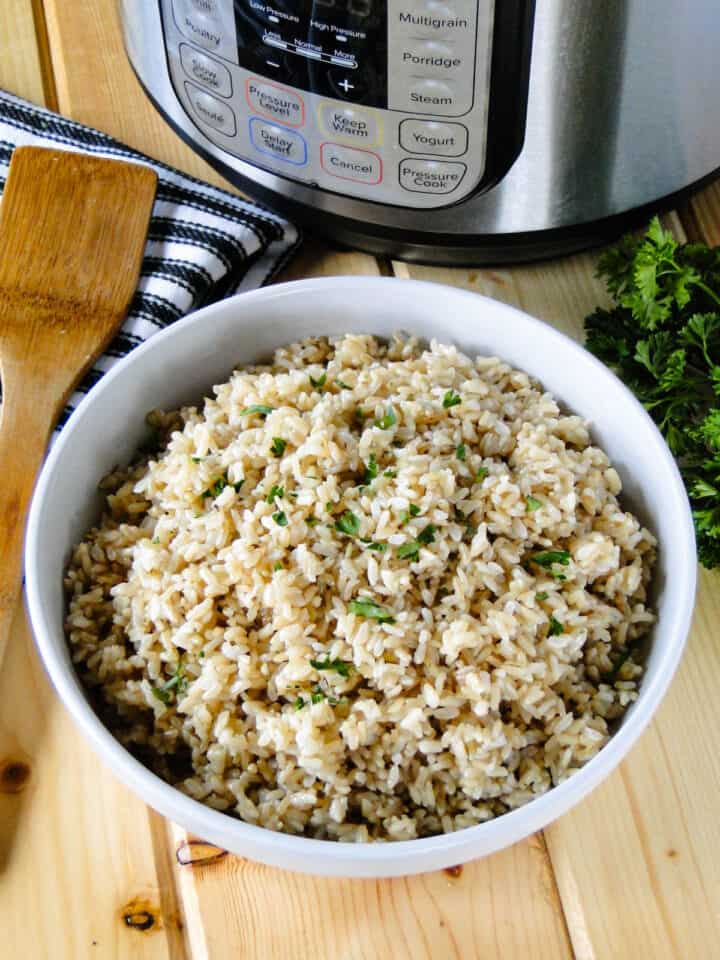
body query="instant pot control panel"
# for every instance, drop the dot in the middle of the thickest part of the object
(416, 104)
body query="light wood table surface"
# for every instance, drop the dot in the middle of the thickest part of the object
(632, 872)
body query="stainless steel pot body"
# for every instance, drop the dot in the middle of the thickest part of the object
(618, 109)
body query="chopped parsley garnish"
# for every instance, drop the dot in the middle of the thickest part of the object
(359, 414)
(613, 675)
(216, 487)
(276, 492)
(262, 408)
(387, 420)
(277, 447)
(329, 506)
(411, 550)
(390, 473)
(481, 474)
(364, 607)
(377, 547)
(278, 566)
(312, 521)
(320, 382)
(348, 523)
(177, 684)
(338, 666)
(299, 703)
(547, 558)
(451, 399)
(541, 595)
(408, 551)
(412, 511)
(156, 540)
(342, 384)
(460, 451)
(427, 534)
(280, 519)
(556, 628)
(371, 469)
(532, 504)
(237, 487)
(197, 459)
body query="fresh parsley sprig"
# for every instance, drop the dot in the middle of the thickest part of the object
(662, 338)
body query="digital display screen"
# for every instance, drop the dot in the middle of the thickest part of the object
(336, 48)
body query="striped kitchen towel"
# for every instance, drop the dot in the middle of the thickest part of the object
(203, 243)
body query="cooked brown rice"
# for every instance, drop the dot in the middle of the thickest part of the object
(403, 601)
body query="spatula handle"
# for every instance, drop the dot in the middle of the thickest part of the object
(28, 412)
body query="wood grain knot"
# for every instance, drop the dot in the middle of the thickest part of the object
(672, 854)
(141, 915)
(14, 776)
(454, 872)
(197, 853)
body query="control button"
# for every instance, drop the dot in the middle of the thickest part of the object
(211, 73)
(430, 176)
(349, 123)
(278, 142)
(210, 25)
(436, 19)
(434, 137)
(430, 56)
(275, 102)
(431, 96)
(347, 86)
(348, 163)
(211, 110)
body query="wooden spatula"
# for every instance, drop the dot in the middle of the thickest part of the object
(72, 234)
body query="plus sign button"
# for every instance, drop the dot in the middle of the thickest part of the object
(347, 85)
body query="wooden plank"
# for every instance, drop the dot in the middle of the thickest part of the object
(638, 862)
(77, 865)
(23, 62)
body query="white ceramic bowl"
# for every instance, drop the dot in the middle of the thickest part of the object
(182, 363)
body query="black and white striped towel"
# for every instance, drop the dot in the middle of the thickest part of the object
(203, 243)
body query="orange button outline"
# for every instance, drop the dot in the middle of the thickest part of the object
(264, 113)
(344, 146)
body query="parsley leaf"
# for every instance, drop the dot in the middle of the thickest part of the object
(451, 399)
(364, 607)
(556, 628)
(532, 504)
(177, 684)
(348, 523)
(342, 384)
(388, 420)
(277, 447)
(338, 666)
(377, 547)
(460, 451)
(547, 558)
(277, 566)
(427, 534)
(481, 474)
(320, 382)
(371, 469)
(405, 515)
(390, 473)
(408, 551)
(280, 519)
(262, 408)
(275, 492)
(299, 703)
(216, 487)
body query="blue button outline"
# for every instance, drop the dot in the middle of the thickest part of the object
(271, 153)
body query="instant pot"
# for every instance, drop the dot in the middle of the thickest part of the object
(448, 131)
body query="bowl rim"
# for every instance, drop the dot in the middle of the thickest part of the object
(331, 857)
